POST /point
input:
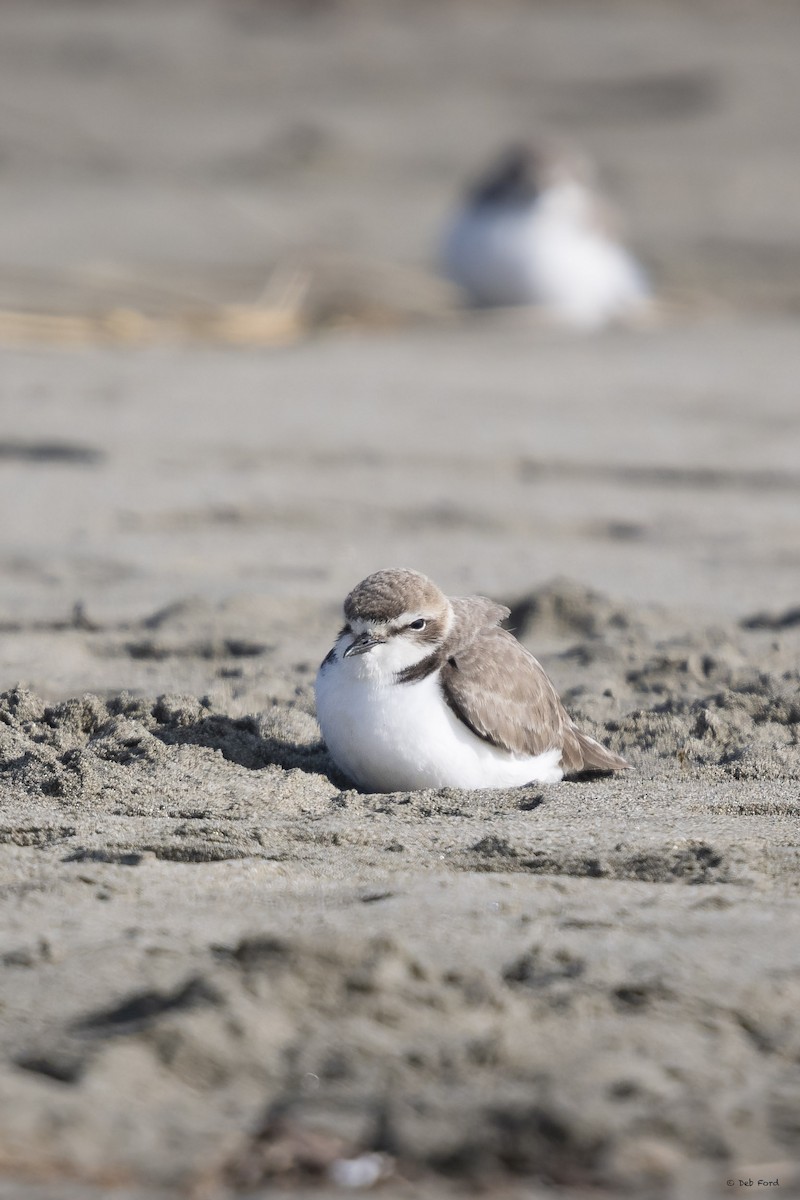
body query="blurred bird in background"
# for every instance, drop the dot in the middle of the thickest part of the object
(533, 231)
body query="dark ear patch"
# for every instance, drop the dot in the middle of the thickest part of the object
(433, 631)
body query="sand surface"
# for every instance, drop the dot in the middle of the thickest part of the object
(223, 970)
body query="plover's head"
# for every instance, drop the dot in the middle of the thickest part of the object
(518, 177)
(395, 619)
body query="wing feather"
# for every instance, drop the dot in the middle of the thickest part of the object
(503, 694)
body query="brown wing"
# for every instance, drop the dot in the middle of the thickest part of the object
(502, 694)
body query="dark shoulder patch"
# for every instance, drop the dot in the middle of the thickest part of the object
(331, 655)
(421, 670)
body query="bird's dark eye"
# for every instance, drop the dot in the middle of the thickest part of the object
(420, 623)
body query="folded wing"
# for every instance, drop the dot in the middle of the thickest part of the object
(503, 695)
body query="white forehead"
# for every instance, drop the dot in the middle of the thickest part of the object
(361, 624)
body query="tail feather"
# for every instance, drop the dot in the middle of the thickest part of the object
(597, 757)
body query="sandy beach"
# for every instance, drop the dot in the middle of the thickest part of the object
(225, 972)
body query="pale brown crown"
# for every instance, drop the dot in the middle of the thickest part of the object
(390, 594)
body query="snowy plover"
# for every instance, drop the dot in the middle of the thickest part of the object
(425, 691)
(532, 231)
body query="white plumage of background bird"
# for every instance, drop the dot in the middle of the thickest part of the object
(533, 231)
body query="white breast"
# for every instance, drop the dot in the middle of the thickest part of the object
(389, 736)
